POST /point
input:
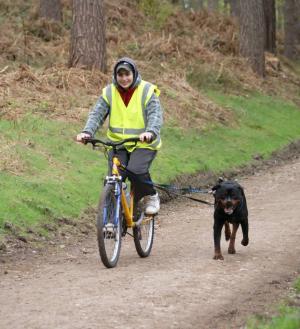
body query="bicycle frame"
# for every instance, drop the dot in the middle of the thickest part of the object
(116, 178)
(128, 209)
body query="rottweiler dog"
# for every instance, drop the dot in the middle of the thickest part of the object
(230, 207)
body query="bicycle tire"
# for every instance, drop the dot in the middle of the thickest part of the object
(109, 233)
(143, 234)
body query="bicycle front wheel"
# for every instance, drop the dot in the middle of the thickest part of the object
(143, 233)
(109, 227)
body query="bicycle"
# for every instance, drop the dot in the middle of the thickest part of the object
(117, 212)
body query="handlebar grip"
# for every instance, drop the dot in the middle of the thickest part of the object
(85, 140)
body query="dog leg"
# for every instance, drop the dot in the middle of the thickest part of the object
(231, 248)
(217, 240)
(245, 229)
(227, 231)
(218, 255)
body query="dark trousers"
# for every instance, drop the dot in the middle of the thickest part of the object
(137, 164)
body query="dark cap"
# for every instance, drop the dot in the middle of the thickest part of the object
(125, 66)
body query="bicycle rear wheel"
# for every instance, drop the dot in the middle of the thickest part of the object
(143, 234)
(109, 227)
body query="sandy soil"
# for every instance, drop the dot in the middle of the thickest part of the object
(179, 285)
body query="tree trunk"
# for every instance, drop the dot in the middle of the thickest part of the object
(235, 8)
(270, 19)
(88, 46)
(291, 25)
(252, 34)
(298, 21)
(212, 5)
(50, 9)
(280, 16)
(186, 4)
(197, 4)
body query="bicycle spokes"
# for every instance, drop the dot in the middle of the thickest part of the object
(143, 232)
(109, 227)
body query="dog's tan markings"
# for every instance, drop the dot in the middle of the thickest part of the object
(231, 248)
(218, 254)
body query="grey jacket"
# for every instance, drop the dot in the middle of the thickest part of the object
(99, 113)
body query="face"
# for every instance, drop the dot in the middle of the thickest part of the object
(124, 78)
(227, 198)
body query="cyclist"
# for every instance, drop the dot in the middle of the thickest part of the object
(134, 110)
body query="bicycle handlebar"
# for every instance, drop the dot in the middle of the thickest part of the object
(95, 141)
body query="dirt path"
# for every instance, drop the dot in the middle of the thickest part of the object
(180, 285)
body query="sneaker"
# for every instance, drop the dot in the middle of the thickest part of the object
(152, 204)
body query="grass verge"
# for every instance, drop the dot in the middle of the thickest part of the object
(45, 175)
(49, 175)
(262, 125)
(288, 317)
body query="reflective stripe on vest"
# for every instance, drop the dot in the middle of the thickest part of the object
(126, 131)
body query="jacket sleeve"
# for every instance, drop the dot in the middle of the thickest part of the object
(96, 117)
(154, 115)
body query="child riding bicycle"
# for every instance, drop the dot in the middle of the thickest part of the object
(134, 110)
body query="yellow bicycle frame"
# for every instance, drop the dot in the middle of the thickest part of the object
(128, 209)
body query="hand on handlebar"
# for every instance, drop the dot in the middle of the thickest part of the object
(80, 137)
(146, 137)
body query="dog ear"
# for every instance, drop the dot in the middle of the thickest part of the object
(242, 190)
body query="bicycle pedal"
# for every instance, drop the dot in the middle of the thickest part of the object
(148, 218)
(109, 228)
(109, 231)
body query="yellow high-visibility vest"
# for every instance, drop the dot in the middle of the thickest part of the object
(130, 121)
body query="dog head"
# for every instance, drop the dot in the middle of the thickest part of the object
(228, 196)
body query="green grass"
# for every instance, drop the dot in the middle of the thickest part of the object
(205, 77)
(297, 285)
(288, 317)
(263, 125)
(59, 177)
(56, 177)
(157, 10)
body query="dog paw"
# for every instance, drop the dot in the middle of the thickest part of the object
(218, 257)
(245, 242)
(231, 251)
